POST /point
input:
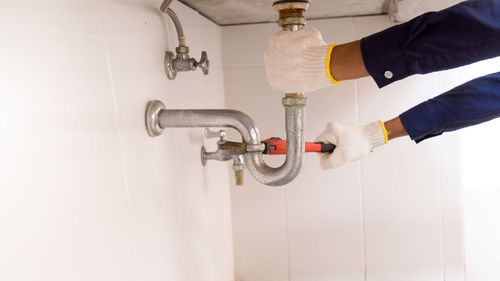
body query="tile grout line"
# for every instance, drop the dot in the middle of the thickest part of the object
(463, 239)
(243, 66)
(122, 156)
(442, 202)
(361, 184)
(441, 195)
(362, 201)
(181, 214)
(287, 236)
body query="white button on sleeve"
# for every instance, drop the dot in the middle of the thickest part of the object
(388, 75)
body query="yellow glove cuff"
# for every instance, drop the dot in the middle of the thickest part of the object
(327, 65)
(386, 135)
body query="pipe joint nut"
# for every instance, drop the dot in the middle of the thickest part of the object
(300, 21)
(182, 49)
(296, 100)
(255, 147)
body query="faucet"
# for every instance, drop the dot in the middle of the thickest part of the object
(158, 117)
(181, 60)
(226, 151)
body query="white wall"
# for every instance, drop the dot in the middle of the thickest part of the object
(85, 194)
(396, 215)
(480, 179)
(405, 10)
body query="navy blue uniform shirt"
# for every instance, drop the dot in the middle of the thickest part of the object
(457, 36)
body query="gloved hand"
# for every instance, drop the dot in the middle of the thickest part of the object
(298, 61)
(352, 142)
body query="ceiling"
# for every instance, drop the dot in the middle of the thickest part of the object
(230, 12)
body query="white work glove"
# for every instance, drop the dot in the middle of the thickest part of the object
(352, 142)
(298, 61)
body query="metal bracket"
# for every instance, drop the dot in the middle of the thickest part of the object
(152, 114)
(169, 65)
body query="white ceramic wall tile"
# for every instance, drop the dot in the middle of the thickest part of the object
(64, 204)
(324, 208)
(334, 35)
(197, 242)
(481, 235)
(258, 212)
(220, 230)
(149, 164)
(325, 223)
(392, 100)
(138, 74)
(86, 194)
(249, 92)
(57, 67)
(211, 36)
(64, 216)
(452, 202)
(139, 25)
(335, 229)
(83, 18)
(213, 88)
(188, 16)
(329, 253)
(364, 26)
(244, 45)
(479, 151)
(403, 209)
(259, 231)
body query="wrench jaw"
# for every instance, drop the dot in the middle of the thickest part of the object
(275, 146)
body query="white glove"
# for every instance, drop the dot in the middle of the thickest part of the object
(352, 142)
(298, 61)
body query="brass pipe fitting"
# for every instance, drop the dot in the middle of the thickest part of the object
(291, 13)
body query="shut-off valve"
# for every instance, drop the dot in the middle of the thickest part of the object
(181, 60)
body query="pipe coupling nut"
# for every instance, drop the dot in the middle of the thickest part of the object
(291, 5)
(301, 21)
(255, 147)
(182, 50)
(294, 100)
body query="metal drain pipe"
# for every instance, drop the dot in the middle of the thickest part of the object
(295, 146)
(291, 18)
(158, 117)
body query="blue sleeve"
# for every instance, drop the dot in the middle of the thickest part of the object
(472, 103)
(457, 36)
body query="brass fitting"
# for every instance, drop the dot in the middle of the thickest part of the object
(291, 13)
(239, 177)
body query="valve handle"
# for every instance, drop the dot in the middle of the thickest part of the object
(204, 63)
(209, 134)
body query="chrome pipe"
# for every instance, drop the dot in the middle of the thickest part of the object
(180, 32)
(158, 118)
(207, 118)
(295, 147)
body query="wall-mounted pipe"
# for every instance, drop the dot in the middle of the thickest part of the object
(180, 32)
(181, 61)
(158, 118)
(294, 122)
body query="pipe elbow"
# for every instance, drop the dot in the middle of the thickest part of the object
(295, 144)
(273, 176)
(245, 125)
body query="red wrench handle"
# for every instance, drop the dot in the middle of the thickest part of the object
(276, 146)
